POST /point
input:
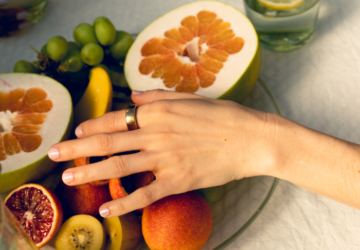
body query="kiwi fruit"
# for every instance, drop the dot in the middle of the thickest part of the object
(81, 232)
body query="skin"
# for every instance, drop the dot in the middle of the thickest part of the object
(191, 142)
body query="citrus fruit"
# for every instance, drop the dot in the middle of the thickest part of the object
(35, 113)
(38, 211)
(281, 4)
(81, 232)
(205, 47)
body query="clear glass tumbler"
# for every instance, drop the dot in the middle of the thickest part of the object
(283, 30)
(16, 15)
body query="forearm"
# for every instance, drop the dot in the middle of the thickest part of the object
(318, 162)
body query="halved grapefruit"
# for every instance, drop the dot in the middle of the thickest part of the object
(205, 47)
(35, 113)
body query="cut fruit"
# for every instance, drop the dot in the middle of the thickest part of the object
(81, 232)
(38, 211)
(123, 232)
(205, 47)
(35, 113)
(281, 4)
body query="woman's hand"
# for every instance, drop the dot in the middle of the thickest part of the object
(187, 141)
(12, 19)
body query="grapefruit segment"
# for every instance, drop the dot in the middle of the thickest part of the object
(11, 144)
(191, 23)
(218, 54)
(173, 45)
(174, 34)
(28, 143)
(35, 118)
(154, 47)
(205, 19)
(186, 34)
(32, 96)
(40, 107)
(4, 101)
(206, 78)
(26, 129)
(221, 37)
(149, 64)
(2, 148)
(231, 46)
(189, 82)
(210, 63)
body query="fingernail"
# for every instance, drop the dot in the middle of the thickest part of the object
(4, 2)
(78, 132)
(68, 177)
(137, 92)
(24, 26)
(53, 153)
(104, 211)
(22, 15)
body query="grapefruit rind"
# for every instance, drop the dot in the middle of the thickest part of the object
(25, 167)
(240, 72)
(55, 204)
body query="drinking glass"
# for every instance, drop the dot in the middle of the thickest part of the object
(283, 30)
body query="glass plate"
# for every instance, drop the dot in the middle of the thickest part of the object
(240, 202)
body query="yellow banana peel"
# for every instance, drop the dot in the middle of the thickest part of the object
(97, 99)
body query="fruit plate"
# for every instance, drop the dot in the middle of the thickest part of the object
(239, 203)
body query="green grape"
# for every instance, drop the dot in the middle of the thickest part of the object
(57, 48)
(122, 44)
(44, 50)
(84, 33)
(104, 30)
(25, 67)
(92, 54)
(73, 45)
(72, 61)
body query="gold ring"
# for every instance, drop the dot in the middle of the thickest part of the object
(130, 117)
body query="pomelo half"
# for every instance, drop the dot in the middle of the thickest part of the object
(35, 113)
(205, 47)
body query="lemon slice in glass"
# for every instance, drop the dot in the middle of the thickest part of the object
(281, 4)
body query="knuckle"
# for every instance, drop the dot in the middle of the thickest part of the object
(104, 142)
(110, 120)
(120, 207)
(119, 165)
(147, 197)
(71, 150)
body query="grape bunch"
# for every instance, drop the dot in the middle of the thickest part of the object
(70, 62)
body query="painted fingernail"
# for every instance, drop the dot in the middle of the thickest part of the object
(137, 92)
(53, 153)
(68, 177)
(22, 15)
(4, 2)
(24, 25)
(78, 132)
(104, 211)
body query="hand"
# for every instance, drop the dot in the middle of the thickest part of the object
(187, 141)
(12, 19)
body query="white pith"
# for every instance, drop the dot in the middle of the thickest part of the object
(57, 119)
(6, 121)
(233, 68)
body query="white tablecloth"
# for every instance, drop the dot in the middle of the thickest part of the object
(317, 86)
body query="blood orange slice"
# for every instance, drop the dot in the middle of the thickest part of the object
(37, 210)
(205, 47)
(35, 113)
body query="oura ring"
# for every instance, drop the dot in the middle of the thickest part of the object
(130, 117)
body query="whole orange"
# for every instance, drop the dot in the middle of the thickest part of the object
(181, 221)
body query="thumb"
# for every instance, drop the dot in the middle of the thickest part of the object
(143, 97)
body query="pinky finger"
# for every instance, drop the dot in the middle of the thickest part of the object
(141, 198)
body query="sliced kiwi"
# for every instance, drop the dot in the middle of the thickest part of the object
(81, 232)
